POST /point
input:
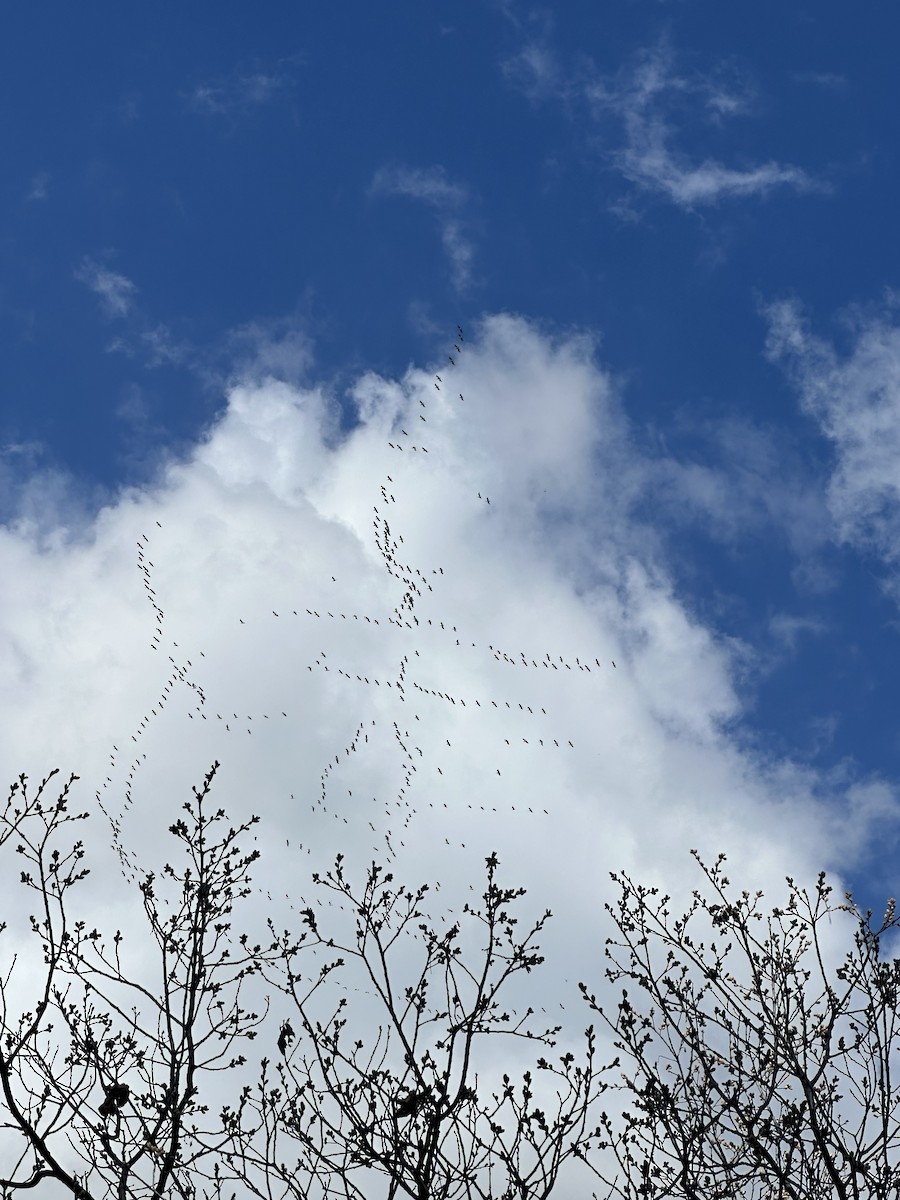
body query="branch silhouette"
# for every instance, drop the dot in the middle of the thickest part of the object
(755, 1062)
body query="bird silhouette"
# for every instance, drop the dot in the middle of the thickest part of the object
(116, 1097)
(410, 1104)
(285, 1037)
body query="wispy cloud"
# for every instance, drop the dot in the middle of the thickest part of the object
(534, 70)
(422, 183)
(855, 400)
(116, 292)
(240, 92)
(137, 335)
(278, 348)
(39, 188)
(742, 481)
(788, 628)
(650, 157)
(823, 79)
(654, 105)
(446, 199)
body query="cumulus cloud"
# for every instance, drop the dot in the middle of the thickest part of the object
(398, 639)
(516, 531)
(35, 493)
(446, 199)
(116, 291)
(653, 103)
(855, 400)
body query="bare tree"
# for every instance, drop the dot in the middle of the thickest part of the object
(758, 1059)
(107, 1079)
(103, 1077)
(377, 1091)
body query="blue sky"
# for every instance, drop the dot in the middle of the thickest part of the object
(235, 250)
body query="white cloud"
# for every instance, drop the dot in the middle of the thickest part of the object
(272, 349)
(237, 94)
(137, 335)
(40, 186)
(116, 291)
(159, 346)
(421, 183)
(276, 500)
(654, 104)
(650, 164)
(34, 492)
(745, 481)
(142, 644)
(447, 200)
(830, 80)
(243, 91)
(855, 400)
(788, 628)
(649, 159)
(534, 70)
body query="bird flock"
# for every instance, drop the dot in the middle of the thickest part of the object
(406, 694)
